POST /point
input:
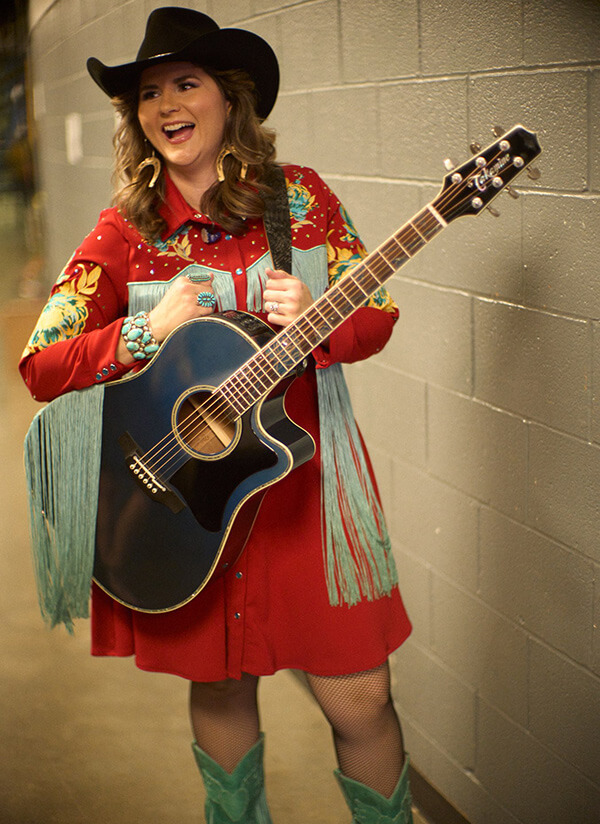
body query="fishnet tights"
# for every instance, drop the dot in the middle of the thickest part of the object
(366, 731)
(225, 718)
(359, 708)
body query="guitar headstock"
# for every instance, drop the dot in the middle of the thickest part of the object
(471, 187)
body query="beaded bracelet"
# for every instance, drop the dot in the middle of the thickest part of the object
(138, 337)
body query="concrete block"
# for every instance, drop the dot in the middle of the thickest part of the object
(594, 115)
(289, 118)
(433, 338)
(414, 580)
(479, 450)
(564, 705)
(344, 125)
(560, 31)
(378, 208)
(465, 37)
(380, 39)
(564, 489)
(83, 96)
(551, 103)
(561, 249)
(115, 37)
(432, 695)
(436, 523)
(69, 17)
(262, 6)
(382, 463)
(390, 409)
(413, 148)
(485, 650)
(532, 783)
(595, 665)
(596, 382)
(97, 135)
(228, 13)
(543, 587)
(311, 28)
(534, 364)
(458, 785)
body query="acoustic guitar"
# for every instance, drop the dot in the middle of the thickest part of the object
(190, 444)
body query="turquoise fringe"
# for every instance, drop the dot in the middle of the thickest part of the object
(357, 550)
(63, 501)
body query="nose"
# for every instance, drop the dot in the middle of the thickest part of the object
(168, 102)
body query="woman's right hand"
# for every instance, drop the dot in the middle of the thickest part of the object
(179, 303)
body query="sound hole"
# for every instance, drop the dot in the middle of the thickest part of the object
(204, 424)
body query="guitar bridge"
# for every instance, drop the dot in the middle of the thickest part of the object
(145, 478)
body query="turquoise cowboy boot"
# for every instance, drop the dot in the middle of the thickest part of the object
(237, 796)
(369, 807)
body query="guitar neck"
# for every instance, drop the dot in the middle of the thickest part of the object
(257, 376)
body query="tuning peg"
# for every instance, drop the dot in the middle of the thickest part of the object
(493, 211)
(533, 173)
(475, 147)
(510, 191)
(498, 131)
(449, 164)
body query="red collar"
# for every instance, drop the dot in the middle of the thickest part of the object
(176, 211)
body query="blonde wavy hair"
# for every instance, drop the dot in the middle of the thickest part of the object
(227, 202)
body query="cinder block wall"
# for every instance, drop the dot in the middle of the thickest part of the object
(483, 414)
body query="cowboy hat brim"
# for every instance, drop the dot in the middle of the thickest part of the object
(220, 49)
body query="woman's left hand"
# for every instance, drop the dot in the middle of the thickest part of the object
(285, 297)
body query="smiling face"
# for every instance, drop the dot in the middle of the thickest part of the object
(182, 112)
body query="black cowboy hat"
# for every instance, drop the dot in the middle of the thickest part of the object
(174, 34)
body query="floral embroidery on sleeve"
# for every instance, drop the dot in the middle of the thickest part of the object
(301, 202)
(66, 312)
(341, 259)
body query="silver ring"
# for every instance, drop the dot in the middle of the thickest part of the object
(274, 307)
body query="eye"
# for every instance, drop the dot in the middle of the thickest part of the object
(148, 94)
(185, 85)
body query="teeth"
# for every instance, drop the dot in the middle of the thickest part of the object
(175, 127)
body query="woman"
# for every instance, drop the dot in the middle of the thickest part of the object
(187, 238)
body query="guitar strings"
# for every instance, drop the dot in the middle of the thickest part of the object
(217, 410)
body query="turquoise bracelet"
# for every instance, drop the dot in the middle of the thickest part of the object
(138, 337)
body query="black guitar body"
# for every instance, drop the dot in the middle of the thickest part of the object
(174, 513)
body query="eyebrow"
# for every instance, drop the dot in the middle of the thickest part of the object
(188, 76)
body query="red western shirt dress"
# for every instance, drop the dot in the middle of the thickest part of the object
(271, 610)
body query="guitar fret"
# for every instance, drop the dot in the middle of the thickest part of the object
(245, 389)
(417, 231)
(262, 362)
(225, 391)
(253, 367)
(395, 262)
(338, 297)
(310, 332)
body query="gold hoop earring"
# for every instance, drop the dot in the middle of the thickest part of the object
(228, 150)
(153, 161)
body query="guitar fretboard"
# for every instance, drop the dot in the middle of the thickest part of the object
(258, 375)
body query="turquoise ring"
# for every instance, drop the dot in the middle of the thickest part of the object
(206, 299)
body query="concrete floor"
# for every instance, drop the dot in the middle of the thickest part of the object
(93, 741)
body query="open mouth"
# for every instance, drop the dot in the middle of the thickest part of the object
(178, 131)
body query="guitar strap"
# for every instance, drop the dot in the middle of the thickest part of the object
(277, 220)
